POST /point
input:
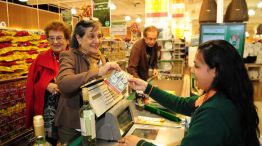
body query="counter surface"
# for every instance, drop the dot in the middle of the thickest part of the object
(171, 85)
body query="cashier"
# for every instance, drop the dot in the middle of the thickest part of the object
(225, 115)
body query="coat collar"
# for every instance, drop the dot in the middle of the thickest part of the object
(94, 56)
(48, 60)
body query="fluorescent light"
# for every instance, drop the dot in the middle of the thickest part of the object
(127, 18)
(247, 34)
(112, 6)
(22, 0)
(138, 20)
(178, 6)
(259, 5)
(169, 16)
(73, 11)
(251, 12)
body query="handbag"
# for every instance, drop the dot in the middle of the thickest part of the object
(51, 103)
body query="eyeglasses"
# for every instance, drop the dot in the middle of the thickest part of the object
(58, 38)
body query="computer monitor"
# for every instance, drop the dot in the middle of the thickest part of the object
(125, 120)
(231, 32)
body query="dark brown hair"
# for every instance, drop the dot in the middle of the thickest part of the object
(80, 28)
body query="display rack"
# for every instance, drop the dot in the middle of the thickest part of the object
(172, 68)
(18, 49)
(172, 49)
(114, 50)
(172, 57)
(12, 110)
(254, 71)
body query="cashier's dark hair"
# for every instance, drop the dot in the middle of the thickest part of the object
(80, 28)
(232, 80)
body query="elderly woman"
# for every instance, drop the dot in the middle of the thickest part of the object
(79, 65)
(42, 92)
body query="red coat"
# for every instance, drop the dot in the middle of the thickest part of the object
(41, 72)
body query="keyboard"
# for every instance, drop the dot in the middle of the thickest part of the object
(101, 96)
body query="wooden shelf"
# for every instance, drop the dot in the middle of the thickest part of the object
(23, 136)
(252, 68)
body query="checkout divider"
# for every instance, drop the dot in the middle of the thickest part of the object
(112, 125)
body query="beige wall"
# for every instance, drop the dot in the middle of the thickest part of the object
(24, 17)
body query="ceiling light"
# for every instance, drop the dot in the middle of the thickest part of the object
(251, 12)
(169, 16)
(138, 20)
(247, 34)
(127, 18)
(73, 11)
(22, 0)
(112, 6)
(259, 5)
(178, 6)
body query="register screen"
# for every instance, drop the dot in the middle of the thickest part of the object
(125, 121)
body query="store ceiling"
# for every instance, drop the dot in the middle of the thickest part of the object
(135, 8)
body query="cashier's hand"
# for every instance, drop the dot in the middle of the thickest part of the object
(137, 84)
(108, 67)
(130, 140)
(155, 72)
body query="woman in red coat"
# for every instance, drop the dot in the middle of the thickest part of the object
(42, 92)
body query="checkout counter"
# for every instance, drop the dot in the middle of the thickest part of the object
(117, 119)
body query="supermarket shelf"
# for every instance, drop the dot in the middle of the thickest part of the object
(166, 39)
(169, 50)
(170, 74)
(25, 137)
(174, 60)
(13, 79)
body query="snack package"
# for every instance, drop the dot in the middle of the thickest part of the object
(118, 81)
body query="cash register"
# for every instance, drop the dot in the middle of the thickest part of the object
(119, 121)
(115, 119)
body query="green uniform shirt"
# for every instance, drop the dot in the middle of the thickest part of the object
(215, 123)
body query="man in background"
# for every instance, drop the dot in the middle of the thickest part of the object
(144, 54)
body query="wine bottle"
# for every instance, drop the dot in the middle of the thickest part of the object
(87, 121)
(39, 129)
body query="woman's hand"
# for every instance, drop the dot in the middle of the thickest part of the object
(52, 88)
(130, 140)
(109, 66)
(137, 84)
